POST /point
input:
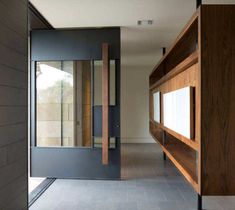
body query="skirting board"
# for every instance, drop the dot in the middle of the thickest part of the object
(127, 140)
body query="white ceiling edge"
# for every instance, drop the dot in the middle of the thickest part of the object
(140, 45)
(218, 1)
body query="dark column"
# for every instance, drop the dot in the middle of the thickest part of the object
(199, 3)
(163, 51)
(164, 156)
(199, 202)
(164, 135)
(164, 139)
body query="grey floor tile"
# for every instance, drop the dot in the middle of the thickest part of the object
(148, 205)
(172, 194)
(148, 183)
(126, 205)
(168, 205)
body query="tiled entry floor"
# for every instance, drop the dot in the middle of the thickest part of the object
(148, 183)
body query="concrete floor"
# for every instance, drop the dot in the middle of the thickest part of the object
(148, 183)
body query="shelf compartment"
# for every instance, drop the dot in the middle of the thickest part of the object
(213, 81)
(185, 44)
(189, 142)
(156, 132)
(183, 157)
(185, 64)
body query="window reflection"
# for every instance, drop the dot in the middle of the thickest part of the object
(55, 103)
(66, 92)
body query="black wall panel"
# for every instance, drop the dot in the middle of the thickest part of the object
(76, 44)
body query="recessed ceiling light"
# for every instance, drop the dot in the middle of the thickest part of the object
(144, 22)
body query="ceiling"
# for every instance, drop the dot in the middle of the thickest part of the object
(141, 45)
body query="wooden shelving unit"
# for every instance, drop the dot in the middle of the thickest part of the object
(202, 57)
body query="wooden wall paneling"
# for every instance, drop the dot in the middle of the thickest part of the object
(187, 77)
(105, 104)
(182, 156)
(192, 113)
(151, 110)
(211, 71)
(189, 61)
(185, 156)
(218, 99)
(180, 36)
(78, 105)
(176, 159)
(158, 74)
(185, 47)
(198, 106)
(86, 104)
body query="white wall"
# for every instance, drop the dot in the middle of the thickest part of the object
(135, 105)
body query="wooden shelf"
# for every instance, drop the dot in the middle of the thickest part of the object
(189, 142)
(185, 161)
(199, 59)
(183, 158)
(189, 61)
(185, 45)
(187, 27)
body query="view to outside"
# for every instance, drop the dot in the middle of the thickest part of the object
(55, 105)
(64, 102)
(34, 182)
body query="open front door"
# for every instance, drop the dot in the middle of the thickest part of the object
(75, 105)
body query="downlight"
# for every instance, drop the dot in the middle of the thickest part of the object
(144, 22)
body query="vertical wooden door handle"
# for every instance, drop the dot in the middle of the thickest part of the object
(105, 103)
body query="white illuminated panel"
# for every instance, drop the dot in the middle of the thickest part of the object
(156, 107)
(177, 111)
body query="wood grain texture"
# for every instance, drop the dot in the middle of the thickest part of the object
(183, 48)
(105, 104)
(218, 99)
(188, 77)
(183, 158)
(86, 104)
(189, 61)
(182, 138)
(198, 103)
(180, 36)
(178, 69)
(213, 77)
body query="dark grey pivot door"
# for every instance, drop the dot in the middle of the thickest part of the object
(75, 128)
